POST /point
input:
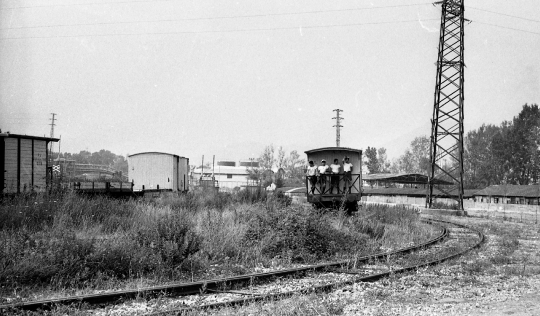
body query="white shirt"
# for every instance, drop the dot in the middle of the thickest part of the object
(347, 167)
(311, 171)
(323, 169)
(335, 168)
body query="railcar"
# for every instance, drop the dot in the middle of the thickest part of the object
(321, 188)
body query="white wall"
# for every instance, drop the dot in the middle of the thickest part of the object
(151, 170)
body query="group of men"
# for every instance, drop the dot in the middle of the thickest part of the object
(317, 175)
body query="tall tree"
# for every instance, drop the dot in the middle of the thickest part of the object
(294, 165)
(382, 159)
(267, 160)
(480, 169)
(523, 145)
(371, 159)
(281, 160)
(416, 157)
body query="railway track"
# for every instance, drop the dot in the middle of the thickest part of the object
(178, 298)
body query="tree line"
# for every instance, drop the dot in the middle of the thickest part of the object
(102, 157)
(508, 153)
(290, 168)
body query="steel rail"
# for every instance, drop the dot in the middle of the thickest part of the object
(182, 289)
(331, 286)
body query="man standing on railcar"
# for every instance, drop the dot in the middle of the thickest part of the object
(334, 180)
(347, 177)
(323, 169)
(311, 174)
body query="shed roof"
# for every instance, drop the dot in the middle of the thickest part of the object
(409, 178)
(333, 149)
(510, 190)
(412, 192)
(49, 139)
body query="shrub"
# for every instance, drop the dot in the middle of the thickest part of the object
(302, 235)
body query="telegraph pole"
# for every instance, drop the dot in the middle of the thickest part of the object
(446, 150)
(338, 125)
(52, 132)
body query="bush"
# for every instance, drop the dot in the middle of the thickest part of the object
(302, 235)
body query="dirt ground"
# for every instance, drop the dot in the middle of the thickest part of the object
(501, 278)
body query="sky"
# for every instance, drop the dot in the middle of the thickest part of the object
(227, 78)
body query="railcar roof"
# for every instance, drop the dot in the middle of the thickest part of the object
(347, 149)
(155, 153)
(49, 139)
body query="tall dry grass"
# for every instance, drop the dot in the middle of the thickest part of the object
(66, 241)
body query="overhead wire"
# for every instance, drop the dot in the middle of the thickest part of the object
(221, 31)
(508, 15)
(506, 27)
(81, 4)
(241, 17)
(223, 17)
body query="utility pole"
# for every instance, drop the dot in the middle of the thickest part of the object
(447, 121)
(338, 125)
(52, 132)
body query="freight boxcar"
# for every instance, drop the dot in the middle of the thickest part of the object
(158, 171)
(24, 163)
(335, 190)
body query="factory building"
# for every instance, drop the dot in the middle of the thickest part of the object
(24, 160)
(229, 174)
(158, 171)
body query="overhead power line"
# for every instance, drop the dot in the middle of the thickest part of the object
(509, 15)
(222, 17)
(82, 4)
(506, 27)
(221, 31)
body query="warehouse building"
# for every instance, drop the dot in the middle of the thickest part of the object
(24, 160)
(158, 171)
(227, 174)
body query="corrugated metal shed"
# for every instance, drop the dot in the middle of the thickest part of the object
(24, 161)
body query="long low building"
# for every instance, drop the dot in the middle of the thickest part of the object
(509, 194)
(412, 179)
(25, 162)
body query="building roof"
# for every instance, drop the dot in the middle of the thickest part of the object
(412, 192)
(333, 149)
(224, 170)
(509, 190)
(49, 139)
(408, 178)
(155, 153)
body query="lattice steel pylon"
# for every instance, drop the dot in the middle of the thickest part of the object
(338, 126)
(446, 150)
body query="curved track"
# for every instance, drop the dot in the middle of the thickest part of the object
(457, 236)
(223, 284)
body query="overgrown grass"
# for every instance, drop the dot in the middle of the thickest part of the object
(66, 241)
